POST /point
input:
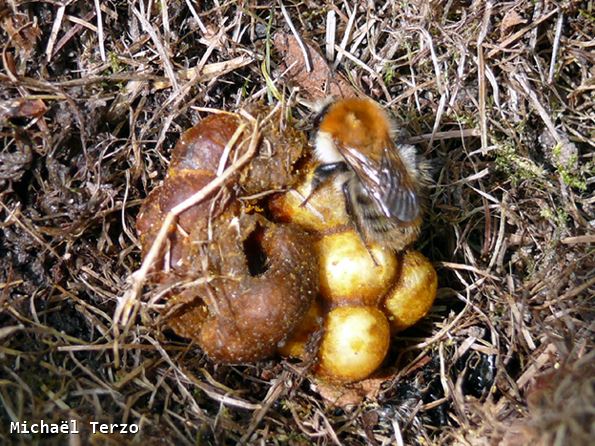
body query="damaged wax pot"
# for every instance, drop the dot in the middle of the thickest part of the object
(246, 282)
(368, 292)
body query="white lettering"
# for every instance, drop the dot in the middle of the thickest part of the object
(113, 428)
(43, 427)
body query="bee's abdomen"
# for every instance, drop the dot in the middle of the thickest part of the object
(368, 210)
(377, 227)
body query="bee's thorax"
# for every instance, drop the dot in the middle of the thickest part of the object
(359, 124)
(326, 150)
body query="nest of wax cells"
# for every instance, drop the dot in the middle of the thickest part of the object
(366, 292)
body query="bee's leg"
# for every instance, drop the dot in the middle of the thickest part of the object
(321, 174)
(350, 212)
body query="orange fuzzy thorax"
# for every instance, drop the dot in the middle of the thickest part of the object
(358, 123)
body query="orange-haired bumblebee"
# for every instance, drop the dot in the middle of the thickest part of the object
(380, 180)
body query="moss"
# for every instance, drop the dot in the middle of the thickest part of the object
(388, 73)
(571, 172)
(467, 120)
(265, 67)
(518, 167)
(559, 217)
(114, 62)
(587, 15)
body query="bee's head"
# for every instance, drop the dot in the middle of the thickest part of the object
(319, 109)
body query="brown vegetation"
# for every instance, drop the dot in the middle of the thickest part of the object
(498, 95)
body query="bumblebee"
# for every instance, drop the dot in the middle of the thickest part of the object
(381, 181)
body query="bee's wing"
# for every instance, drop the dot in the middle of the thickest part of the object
(387, 182)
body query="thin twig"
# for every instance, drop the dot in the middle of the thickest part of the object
(54, 34)
(167, 65)
(100, 36)
(481, 77)
(307, 59)
(330, 36)
(130, 298)
(522, 79)
(556, 47)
